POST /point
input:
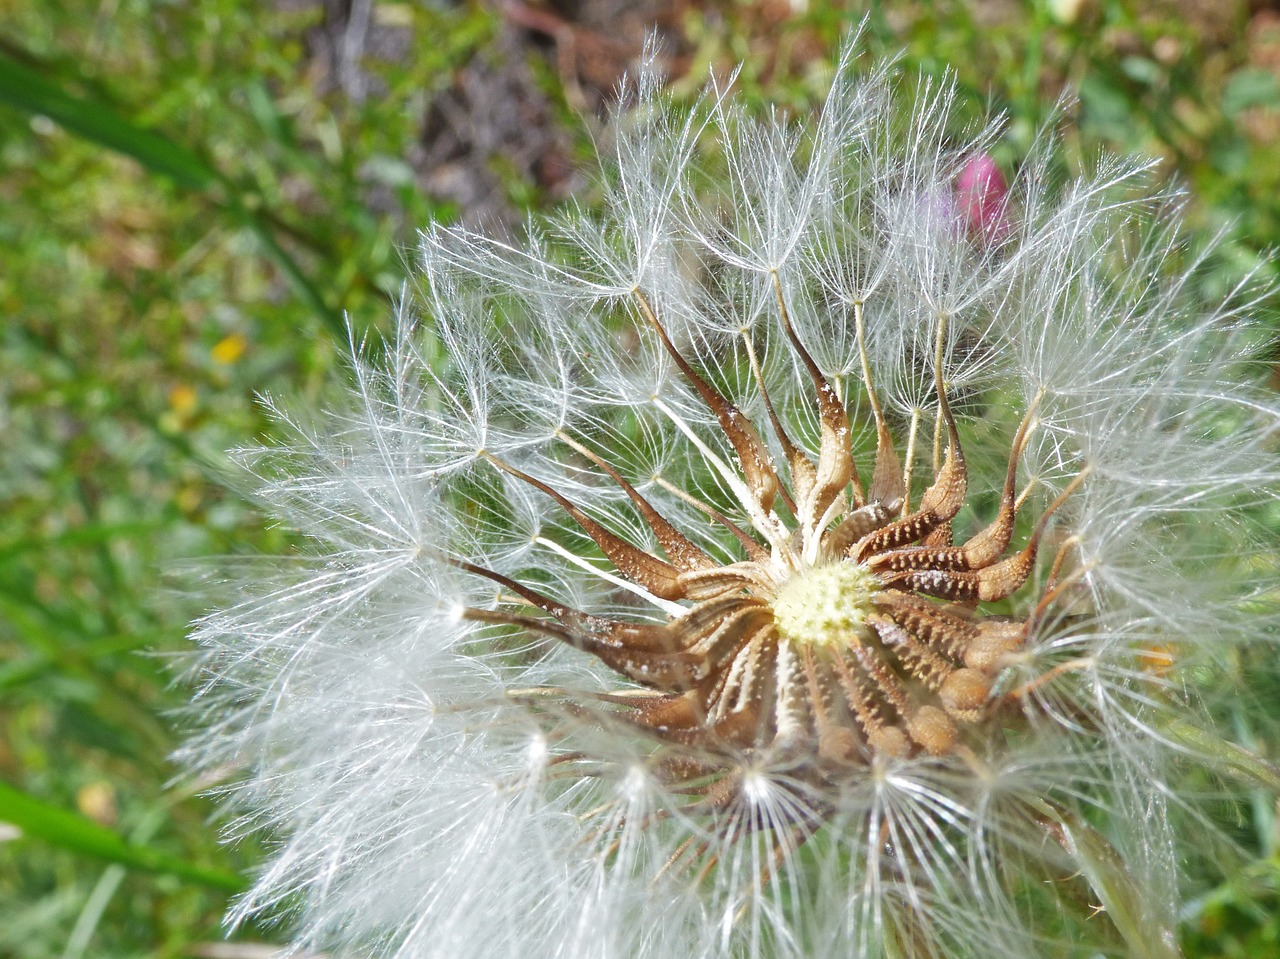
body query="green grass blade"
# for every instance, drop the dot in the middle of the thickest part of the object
(1122, 897)
(289, 267)
(29, 91)
(72, 832)
(1228, 756)
(89, 534)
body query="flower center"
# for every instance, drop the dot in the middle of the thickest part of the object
(826, 605)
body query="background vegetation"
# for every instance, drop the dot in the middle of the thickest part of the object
(194, 193)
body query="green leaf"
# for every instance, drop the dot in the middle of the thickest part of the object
(1141, 70)
(77, 834)
(1105, 109)
(1250, 88)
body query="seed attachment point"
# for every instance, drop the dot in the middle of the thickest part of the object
(826, 605)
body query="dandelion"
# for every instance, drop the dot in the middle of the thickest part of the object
(820, 551)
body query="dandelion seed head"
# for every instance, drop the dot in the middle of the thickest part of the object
(807, 554)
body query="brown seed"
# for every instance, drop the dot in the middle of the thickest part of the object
(933, 729)
(994, 640)
(964, 691)
(837, 743)
(889, 741)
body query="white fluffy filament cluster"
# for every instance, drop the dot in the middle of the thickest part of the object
(444, 783)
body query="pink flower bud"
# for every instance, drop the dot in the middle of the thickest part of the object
(982, 195)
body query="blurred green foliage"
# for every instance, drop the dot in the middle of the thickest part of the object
(191, 206)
